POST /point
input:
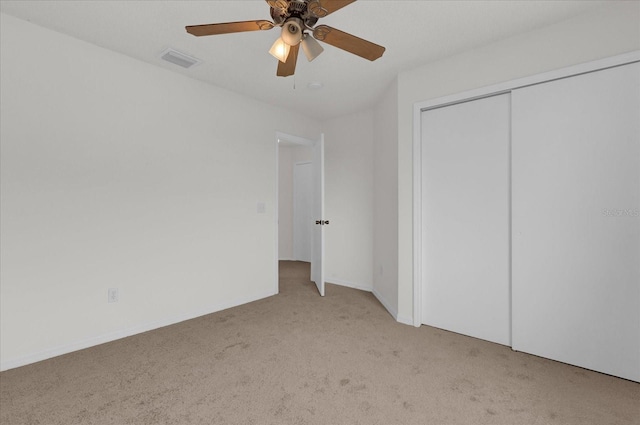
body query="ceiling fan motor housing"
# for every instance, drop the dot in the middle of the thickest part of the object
(297, 6)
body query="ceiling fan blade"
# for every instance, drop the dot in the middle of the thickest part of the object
(322, 8)
(348, 42)
(278, 4)
(289, 67)
(228, 27)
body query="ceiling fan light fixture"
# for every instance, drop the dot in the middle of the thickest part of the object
(311, 47)
(297, 21)
(292, 31)
(280, 50)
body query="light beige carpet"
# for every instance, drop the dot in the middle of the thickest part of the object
(296, 358)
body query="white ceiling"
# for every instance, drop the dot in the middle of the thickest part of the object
(414, 33)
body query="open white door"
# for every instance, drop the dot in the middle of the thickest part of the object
(317, 247)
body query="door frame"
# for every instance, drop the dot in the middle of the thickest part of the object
(492, 90)
(296, 140)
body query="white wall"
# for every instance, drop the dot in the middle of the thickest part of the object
(349, 200)
(385, 199)
(606, 32)
(288, 156)
(116, 173)
(285, 204)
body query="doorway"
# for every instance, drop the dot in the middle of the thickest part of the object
(300, 200)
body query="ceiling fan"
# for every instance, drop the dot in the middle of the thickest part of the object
(298, 19)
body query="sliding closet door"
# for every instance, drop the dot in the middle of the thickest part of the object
(465, 205)
(576, 220)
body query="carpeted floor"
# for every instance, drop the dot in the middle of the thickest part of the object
(296, 358)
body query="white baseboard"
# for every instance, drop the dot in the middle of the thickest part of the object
(405, 320)
(385, 304)
(348, 284)
(123, 333)
(375, 293)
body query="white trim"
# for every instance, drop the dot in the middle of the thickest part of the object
(385, 304)
(126, 332)
(365, 288)
(417, 215)
(510, 215)
(276, 271)
(405, 320)
(492, 90)
(294, 139)
(348, 284)
(531, 80)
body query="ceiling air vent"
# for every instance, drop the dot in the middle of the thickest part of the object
(178, 58)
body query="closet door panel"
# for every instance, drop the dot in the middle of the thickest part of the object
(576, 220)
(465, 204)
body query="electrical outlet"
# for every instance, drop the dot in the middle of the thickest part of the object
(113, 295)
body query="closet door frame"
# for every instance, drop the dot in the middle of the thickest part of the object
(506, 87)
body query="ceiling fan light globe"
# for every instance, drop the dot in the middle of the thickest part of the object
(311, 47)
(292, 31)
(280, 50)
